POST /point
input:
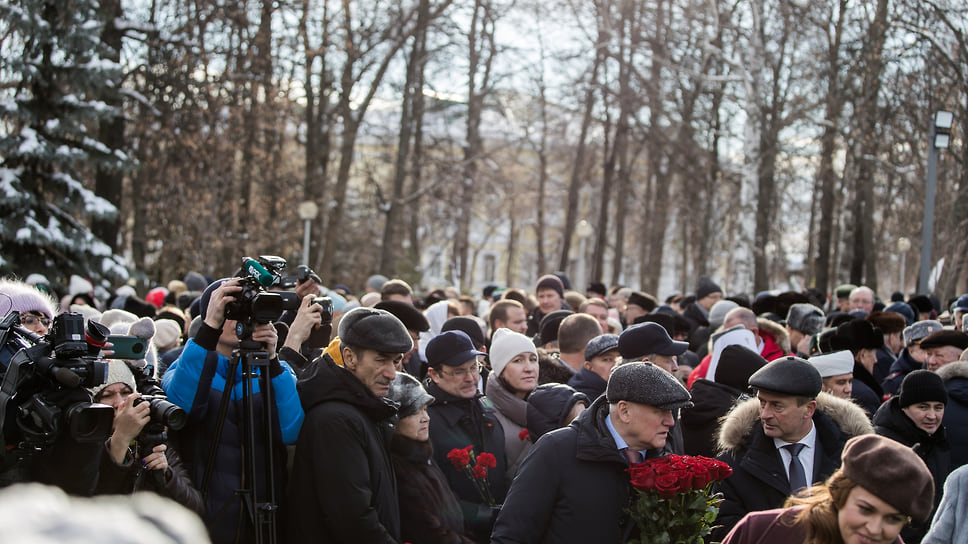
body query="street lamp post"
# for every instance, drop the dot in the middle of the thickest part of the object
(903, 245)
(940, 136)
(307, 212)
(583, 229)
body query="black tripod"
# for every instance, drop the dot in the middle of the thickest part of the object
(260, 509)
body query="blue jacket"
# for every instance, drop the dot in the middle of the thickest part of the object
(196, 382)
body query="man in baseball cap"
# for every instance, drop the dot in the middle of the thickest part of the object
(573, 488)
(651, 342)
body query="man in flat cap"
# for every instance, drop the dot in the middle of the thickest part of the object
(788, 437)
(943, 347)
(343, 488)
(573, 486)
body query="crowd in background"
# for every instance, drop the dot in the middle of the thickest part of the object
(512, 416)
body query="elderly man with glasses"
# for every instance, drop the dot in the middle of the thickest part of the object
(460, 417)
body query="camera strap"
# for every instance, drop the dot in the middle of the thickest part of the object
(223, 409)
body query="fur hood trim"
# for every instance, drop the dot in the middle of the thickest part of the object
(777, 331)
(954, 369)
(738, 423)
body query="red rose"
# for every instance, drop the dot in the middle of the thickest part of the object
(480, 472)
(459, 457)
(719, 470)
(524, 434)
(667, 485)
(642, 476)
(486, 460)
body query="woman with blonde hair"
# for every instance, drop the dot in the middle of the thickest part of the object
(880, 487)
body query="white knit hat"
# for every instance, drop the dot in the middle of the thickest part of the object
(833, 364)
(118, 372)
(506, 345)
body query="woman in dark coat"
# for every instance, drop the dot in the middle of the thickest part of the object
(914, 419)
(879, 488)
(429, 511)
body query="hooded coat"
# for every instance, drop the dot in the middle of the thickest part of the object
(700, 423)
(955, 376)
(343, 487)
(759, 480)
(572, 488)
(890, 421)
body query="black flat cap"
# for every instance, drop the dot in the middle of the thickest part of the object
(379, 330)
(646, 339)
(412, 318)
(788, 376)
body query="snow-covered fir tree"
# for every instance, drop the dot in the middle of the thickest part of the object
(54, 80)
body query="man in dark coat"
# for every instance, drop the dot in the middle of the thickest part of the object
(343, 488)
(912, 356)
(459, 417)
(759, 437)
(573, 486)
(601, 354)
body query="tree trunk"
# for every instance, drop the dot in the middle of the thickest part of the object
(107, 182)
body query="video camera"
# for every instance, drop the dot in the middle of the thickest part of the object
(255, 304)
(43, 393)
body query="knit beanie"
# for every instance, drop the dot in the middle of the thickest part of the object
(892, 472)
(550, 281)
(409, 394)
(118, 372)
(506, 345)
(717, 314)
(922, 386)
(15, 295)
(736, 364)
(195, 281)
(156, 296)
(707, 287)
(167, 334)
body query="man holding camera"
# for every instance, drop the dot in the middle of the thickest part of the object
(125, 466)
(197, 382)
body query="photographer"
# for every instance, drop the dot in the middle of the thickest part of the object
(197, 381)
(125, 466)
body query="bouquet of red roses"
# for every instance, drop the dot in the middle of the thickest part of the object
(475, 467)
(675, 503)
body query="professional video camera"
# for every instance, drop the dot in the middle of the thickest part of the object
(255, 304)
(44, 393)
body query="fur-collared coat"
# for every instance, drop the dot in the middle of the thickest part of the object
(955, 376)
(759, 480)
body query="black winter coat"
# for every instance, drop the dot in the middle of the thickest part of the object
(572, 488)
(955, 376)
(903, 365)
(759, 480)
(115, 479)
(892, 422)
(458, 423)
(866, 391)
(589, 383)
(343, 488)
(700, 424)
(429, 512)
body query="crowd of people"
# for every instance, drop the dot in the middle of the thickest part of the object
(380, 416)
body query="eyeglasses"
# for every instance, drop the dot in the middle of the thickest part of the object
(30, 320)
(460, 374)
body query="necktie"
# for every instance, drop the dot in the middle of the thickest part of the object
(634, 456)
(798, 478)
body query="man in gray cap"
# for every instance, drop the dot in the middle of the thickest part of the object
(912, 357)
(601, 356)
(786, 439)
(573, 486)
(343, 488)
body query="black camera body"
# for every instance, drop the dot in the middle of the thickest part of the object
(44, 390)
(255, 304)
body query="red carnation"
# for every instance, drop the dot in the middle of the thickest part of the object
(524, 434)
(459, 457)
(480, 472)
(486, 460)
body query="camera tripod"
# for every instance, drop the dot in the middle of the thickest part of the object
(260, 509)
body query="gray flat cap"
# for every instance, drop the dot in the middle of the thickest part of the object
(788, 376)
(645, 383)
(601, 344)
(805, 318)
(379, 330)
